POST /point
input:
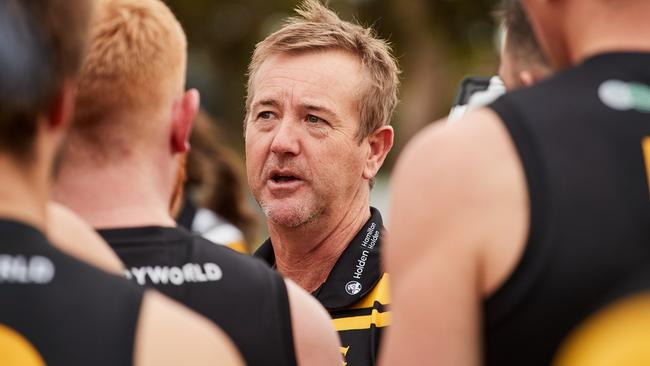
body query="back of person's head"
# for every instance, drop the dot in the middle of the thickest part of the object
(41, 45)
(320, 29)
(522, 59)
(134, 70)
(570, 31)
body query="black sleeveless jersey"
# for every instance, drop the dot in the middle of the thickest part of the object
(583, 137)
(241, 294)
(56, 310)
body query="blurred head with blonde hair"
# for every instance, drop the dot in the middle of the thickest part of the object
(133, 116)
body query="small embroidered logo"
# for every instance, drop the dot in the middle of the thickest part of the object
(353, 287)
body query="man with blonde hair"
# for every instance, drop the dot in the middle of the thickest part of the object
(121, 171)
(321, 93)
(55, 309)
(512, 225)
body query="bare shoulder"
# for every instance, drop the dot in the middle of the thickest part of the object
(457, 198)
(458, 150)
(458, 187)
(170, 334)
(315, 339)
(70, 233)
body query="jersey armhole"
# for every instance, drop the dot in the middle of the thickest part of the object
(284, 320)
(520, 281)
(136, 302)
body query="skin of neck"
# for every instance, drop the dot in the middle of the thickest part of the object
(306, 254)
(24, 192)
(25, 185)
(132, 192)
(602, 28)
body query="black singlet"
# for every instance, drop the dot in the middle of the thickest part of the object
(61, 310)
(239, 293)
(583, 137)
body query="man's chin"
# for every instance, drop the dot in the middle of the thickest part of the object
(290, 216)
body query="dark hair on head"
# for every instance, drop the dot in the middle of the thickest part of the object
(521, 37)
(41, 44)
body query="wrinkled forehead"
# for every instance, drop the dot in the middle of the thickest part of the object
(331, 74)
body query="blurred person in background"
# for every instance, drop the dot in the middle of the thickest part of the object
(321, 94)
(214, 204)
(55, 309)
(522, 61)
(514, 224)
(123, 169)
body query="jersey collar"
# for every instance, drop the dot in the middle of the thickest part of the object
(357, 270)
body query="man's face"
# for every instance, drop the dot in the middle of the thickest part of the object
(302, 155)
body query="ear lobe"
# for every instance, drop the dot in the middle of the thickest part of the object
(183, 114)
(527, 78)
(380, 141)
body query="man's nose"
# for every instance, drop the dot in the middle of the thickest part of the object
(286, 139)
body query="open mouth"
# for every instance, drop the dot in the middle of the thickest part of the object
(278, 178)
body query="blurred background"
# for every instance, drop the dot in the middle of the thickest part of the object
(436, 42)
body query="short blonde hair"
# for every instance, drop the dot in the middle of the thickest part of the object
(136, 62)
(317, 28)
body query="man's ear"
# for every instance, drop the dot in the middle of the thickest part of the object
(527, 78)
(60, 110)
(183, 113)
(380, 142)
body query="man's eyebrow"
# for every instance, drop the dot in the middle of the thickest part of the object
(318, 108)
(266, 103)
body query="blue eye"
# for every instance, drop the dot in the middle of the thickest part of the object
(265, 115)
(313, 119)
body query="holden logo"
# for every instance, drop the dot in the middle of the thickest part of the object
(353, 287)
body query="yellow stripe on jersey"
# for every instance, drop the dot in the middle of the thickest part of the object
(16, 349)
(380, 294)
(646, 153)
(239, 246)
(616, 335)
(363, 321)
(344, 352)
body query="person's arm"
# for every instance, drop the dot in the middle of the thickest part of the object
(315, 340)
(169, 334)
(73, 235)
(459, 222)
